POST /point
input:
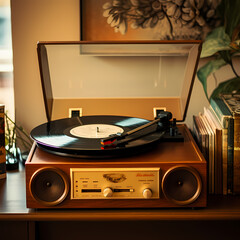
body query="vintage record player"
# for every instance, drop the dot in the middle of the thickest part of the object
(114, 137)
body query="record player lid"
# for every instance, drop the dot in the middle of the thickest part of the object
(133, 78)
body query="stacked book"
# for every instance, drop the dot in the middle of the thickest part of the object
(217, 132)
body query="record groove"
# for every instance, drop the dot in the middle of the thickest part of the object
(56, 136)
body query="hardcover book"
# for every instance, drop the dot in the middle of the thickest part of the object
(218, 149)
(226, 120)
(211, 152)
(202, 138)
(232, 101)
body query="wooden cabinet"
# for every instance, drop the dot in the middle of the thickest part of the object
(220, 220)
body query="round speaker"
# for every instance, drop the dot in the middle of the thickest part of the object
(49, 186)
(181, 185)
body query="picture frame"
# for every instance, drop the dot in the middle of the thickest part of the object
(102, 20)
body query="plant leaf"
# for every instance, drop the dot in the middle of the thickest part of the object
(226, 56)
(209, 68)
(227, 87)
(231, 9)
(216, 41)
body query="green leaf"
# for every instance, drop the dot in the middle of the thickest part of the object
(227, 87)
(216, 41)
(231, 15)
(209, 68)
(226, 56)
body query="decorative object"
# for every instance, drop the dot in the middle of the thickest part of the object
(14, 135)
(2, 144)
(147, 19)
(223, 46)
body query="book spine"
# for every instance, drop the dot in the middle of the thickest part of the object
(230, 156)
(218, 162)
(236, 154)
(2, 144)
(226, 119)
(224, 159)
(197, 134)
(232, 101)
(221, 111)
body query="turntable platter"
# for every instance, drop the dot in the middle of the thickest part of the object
(81, 136)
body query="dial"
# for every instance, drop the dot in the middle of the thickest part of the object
(147, 193)
(107, 192)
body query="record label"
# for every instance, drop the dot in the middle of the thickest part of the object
(95, 130)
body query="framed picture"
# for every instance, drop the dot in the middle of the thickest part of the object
(147, 19)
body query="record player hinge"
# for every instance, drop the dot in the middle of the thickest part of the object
(75, 112)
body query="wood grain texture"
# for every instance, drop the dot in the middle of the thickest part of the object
(13, 208)
(166, 155)
(218, 208)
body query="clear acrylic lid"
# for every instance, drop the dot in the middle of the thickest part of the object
(118, 78)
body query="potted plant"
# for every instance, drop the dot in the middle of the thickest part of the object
(223, 46)
(15, 136)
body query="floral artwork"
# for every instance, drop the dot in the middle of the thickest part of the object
(147, 19)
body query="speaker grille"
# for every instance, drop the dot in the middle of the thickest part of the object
(181, 185)
(49, 186)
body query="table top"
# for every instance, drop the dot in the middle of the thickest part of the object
(13, 207)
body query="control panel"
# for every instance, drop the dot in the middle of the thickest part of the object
(114, 183)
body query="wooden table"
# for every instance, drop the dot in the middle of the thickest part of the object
(220, 220)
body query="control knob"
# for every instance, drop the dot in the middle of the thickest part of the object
(107, 192)
(147, 193)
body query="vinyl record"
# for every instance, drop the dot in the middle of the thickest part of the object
(81, 136)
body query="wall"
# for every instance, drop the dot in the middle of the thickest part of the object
(33, 21)
(49, 20)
